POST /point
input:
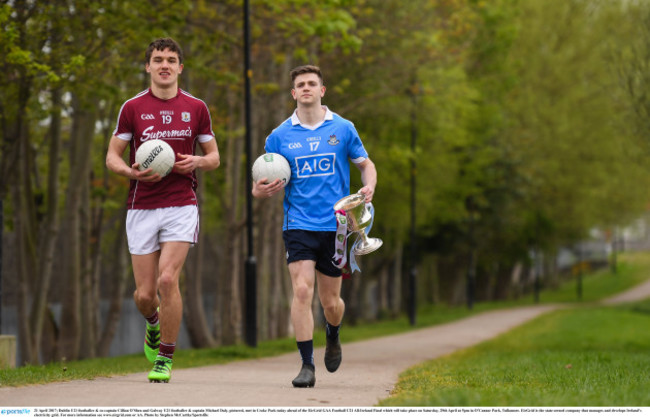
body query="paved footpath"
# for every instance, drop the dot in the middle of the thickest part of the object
(368, 373)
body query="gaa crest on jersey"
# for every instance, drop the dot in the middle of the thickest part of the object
(185, 116)
(333, 140)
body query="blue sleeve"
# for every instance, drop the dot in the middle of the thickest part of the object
(355, 146)
(271, 145)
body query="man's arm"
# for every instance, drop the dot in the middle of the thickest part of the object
(209, 161)
(115, 163)
(368, 178)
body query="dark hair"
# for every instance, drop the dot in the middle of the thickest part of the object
(162, 44)
(306, 69)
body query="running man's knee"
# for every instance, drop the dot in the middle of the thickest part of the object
(167, 282)
(145, 299)
(303, 293)
(332, 303)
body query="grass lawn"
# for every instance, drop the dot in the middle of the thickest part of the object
(633, 269)
(587, 356)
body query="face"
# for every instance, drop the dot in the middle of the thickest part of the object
(164, 68)
(307, 89)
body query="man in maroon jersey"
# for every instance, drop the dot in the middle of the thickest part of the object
(162, 219)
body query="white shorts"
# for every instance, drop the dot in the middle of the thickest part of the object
(146, 229)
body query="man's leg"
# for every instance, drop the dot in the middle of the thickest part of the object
(172, 258)
(145, 272)
(302, 282)
(329, 292)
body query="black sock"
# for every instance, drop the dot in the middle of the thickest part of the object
(332, 332)
(306, 349)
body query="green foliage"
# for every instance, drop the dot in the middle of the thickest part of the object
(512, 107)
(526, 121)
(574, 152)
(515, 112)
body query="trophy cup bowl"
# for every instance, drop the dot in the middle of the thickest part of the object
(358, 219)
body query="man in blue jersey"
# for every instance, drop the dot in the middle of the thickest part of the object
(319, 146)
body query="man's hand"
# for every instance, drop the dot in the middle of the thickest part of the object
(186, 163)
(147, 175)
(368, 192)
(263, 190)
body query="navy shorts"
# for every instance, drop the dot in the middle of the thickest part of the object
(307, 245)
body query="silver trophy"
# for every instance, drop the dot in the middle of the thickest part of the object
(359, 218)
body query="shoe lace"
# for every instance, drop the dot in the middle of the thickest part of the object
(153, 337)
(161, 365)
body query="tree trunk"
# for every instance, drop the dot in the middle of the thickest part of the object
(89, 303)
(263, 247)
(274, 289)
(29, 353)
(194, 311)
(275, 297)
(120, 274)
(383, 291)
(230, 305)
(117, 265)
(50, 228)
(25, 218)
(80, 146)
(280, 283)
(396, 281)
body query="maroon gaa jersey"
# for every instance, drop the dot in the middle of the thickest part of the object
(181, 122)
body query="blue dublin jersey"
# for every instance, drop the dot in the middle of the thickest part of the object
(320, 168)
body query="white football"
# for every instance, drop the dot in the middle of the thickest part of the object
(157, 155)
(271, 166)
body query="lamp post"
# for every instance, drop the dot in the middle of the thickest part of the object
(538, 272)
(1, 239)
(614, 260)
(412, 297)
(471, 264)
(580, 266)
(250, 282)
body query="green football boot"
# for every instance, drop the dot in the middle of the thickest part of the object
(152, 342)
(162, 370)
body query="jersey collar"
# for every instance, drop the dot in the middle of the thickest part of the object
(295, 121)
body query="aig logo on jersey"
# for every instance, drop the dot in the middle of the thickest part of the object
(185, 116)
(315, 165)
